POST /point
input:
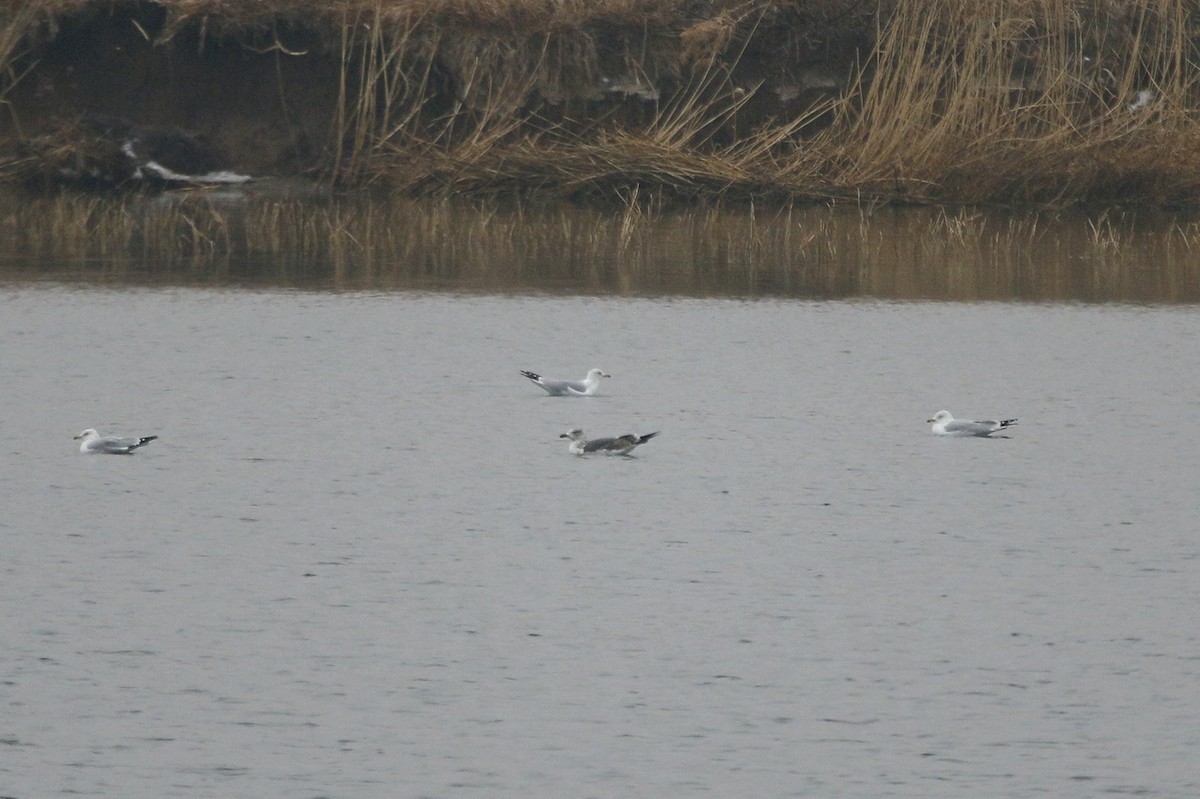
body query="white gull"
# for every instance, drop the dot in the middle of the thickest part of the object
(94, 443)
(946, 425)
(569, 388)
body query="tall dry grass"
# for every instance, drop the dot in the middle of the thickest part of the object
(967, 101)
(994, 101)
(1020, 102)
(17, 21)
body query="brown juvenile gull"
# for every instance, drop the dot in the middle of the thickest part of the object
(622, 445)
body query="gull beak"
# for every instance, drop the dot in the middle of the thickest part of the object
(605, 374)
(930, 421)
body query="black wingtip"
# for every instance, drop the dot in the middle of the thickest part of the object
(146, 440)
(1007, 422)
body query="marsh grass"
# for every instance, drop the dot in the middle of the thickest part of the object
(990, 101)
(963, 101)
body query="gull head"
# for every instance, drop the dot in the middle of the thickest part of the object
(87, 435)
(596, 374)
(939, 417)
(575, 434)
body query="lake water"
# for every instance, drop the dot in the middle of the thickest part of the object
(359, 562)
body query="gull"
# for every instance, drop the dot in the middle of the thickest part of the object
(569, 388)
(621, 445)
(93, 442)
(946, 425)
(1144, 98)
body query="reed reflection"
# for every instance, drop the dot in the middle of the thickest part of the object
(224, 239)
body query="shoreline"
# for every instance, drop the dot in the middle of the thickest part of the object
(610, 104)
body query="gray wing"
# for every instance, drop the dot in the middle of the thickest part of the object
(569, 387)
(555, 387)
(115, 445)
(606, 444)
(976, 428)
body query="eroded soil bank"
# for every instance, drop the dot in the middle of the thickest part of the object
(995, 101)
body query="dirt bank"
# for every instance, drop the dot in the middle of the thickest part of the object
(930, 101)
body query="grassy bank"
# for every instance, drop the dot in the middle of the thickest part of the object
(961, 101)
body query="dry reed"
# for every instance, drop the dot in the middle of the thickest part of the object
(967, 101)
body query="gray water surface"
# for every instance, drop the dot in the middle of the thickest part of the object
(359, 562)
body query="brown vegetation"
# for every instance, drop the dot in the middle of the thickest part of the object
(965, 101)
(355, 243)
